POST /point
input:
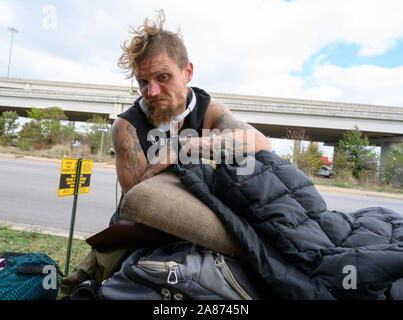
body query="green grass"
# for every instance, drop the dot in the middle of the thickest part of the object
(341, 184)
(53, 246)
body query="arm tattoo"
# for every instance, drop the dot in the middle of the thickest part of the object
(128, 146)
(227, 121)
(233, 143)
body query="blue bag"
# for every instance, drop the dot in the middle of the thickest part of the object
(28, 276)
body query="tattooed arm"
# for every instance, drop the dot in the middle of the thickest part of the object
(132, 166)
(223, 119)
(227, 133)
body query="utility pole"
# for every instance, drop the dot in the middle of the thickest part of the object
(12, 30)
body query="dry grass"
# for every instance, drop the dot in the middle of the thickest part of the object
(58, 151)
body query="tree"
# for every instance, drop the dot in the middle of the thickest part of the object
(51, 126)
(36, 114)
(9, 122)
(8, 126)
(392, 171)
(354, 152)
(342, 166)
(311, 159)
(298, 135)
(308, 160)
(45, 128)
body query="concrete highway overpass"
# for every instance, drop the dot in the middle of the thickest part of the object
(323, 121)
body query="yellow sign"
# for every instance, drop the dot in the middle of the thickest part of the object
(68, 174)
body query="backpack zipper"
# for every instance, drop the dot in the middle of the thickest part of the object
(166, 292)
(228, 275)
(170, 266)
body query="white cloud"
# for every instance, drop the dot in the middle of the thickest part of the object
(5, 14)
(60, 69)
(360, 84)
(378, 48)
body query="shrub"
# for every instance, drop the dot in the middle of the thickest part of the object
(392, 169)
(24, 145)
(46, 130)
(5, 140)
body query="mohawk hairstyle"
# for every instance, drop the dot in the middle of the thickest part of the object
(151, 39)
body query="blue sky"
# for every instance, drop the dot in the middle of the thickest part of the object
(346, 55)
(334, 50)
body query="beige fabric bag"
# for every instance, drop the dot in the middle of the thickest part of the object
(163, 203)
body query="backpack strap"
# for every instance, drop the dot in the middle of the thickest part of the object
(27, 269)
(30, 270)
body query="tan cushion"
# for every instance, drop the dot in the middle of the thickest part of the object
(162, 202)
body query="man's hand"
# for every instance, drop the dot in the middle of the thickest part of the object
(226, 132)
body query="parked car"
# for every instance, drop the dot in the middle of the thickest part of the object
(325, 171)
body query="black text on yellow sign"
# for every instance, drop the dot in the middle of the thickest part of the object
(68, 175)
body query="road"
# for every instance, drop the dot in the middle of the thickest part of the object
(28, 194)
(350, 203)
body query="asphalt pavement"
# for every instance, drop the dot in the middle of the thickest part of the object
(28, 195)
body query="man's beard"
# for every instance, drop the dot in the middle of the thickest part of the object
(157, 116)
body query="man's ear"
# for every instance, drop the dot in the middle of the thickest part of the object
(188, 71)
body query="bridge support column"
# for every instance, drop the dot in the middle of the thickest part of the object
(386, 145)
(385, 150)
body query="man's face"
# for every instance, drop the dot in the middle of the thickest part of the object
(164, 86)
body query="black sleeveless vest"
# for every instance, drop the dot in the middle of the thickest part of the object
(194, 120)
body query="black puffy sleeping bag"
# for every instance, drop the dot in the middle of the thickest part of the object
(300, 249)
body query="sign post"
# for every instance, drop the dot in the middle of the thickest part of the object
(75, 178)
(103, 130)
(73, 215)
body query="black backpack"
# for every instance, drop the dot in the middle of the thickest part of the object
(182, 270)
